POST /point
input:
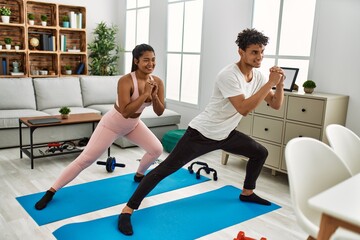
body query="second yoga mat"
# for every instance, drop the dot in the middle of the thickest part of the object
(87, 197)
(183, 219)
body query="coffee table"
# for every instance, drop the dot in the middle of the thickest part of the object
(81, 118)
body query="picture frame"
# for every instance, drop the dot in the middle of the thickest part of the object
(291, 75)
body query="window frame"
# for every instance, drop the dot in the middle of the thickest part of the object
(182, 53)
(277, 56)
(127, 51)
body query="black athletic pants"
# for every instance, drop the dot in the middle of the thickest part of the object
(192, 145)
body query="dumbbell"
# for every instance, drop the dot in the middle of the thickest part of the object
(207, 170)
(110, 164)
(190, 168)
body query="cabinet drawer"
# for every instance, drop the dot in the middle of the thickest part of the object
(268, 129)
(245, 124)
(305, 110)
(264, 108)
(295, 130)
(273, 159)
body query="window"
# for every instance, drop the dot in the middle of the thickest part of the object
(183, 50)
(289, 26)
(137, 27)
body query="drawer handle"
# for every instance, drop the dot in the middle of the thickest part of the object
(300, 135)
(303, 110)
(266, 129)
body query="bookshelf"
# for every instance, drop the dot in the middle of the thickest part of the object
(57, 47)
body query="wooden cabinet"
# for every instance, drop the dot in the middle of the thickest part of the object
(301, 115)
(16, 31)
(58, 47)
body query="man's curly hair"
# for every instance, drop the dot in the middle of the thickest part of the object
(250, 36)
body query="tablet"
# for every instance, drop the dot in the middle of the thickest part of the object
(44, 121)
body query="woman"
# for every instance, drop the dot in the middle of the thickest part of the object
(136, 90)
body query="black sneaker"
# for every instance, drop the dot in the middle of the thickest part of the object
(138, 178)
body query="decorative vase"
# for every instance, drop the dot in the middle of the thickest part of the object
(31, 22)
(64, 116)
(8, 46)
(5, 19)
(68, 72)
(43, 23)
(308, 90)
(16, 66)
(66, 24)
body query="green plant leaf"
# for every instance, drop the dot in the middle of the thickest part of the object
(104, 51)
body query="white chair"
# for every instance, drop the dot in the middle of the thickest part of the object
(346, 144)
(312, 167)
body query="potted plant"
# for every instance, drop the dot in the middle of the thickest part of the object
(68, 69)
(8, 43)
(5, 13)
(43, 19)
(104, 51)
(66, 21)
(309, 86)
(64, 111)
(31, 18)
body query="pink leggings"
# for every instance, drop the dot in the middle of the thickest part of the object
(111, 126)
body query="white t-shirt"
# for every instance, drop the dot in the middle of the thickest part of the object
(220, 117)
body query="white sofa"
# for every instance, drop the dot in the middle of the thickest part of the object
(26, 97)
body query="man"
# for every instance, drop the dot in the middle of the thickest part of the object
(239, 89)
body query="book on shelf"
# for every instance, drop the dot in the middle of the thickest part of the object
(44, 42)
(1, 68)
(72, 17)
(50, 44)
(63, 43)
(73, 50)
(75, 19)
(17, 73)
(53, 39)
(79, 20)
(4, 66)
(80, 68)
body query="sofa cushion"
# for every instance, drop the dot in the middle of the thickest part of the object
(150, 118)
(17, 93)
(10, 118)
(103, 108)
(99, 89)
(57, 92)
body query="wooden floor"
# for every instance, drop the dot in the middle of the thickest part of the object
(18, 179)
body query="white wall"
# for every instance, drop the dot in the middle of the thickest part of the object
(335, 65)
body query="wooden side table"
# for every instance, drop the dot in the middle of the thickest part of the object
(92, 118)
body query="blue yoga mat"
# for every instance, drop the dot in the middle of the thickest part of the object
(187, 218)
(87, 197)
